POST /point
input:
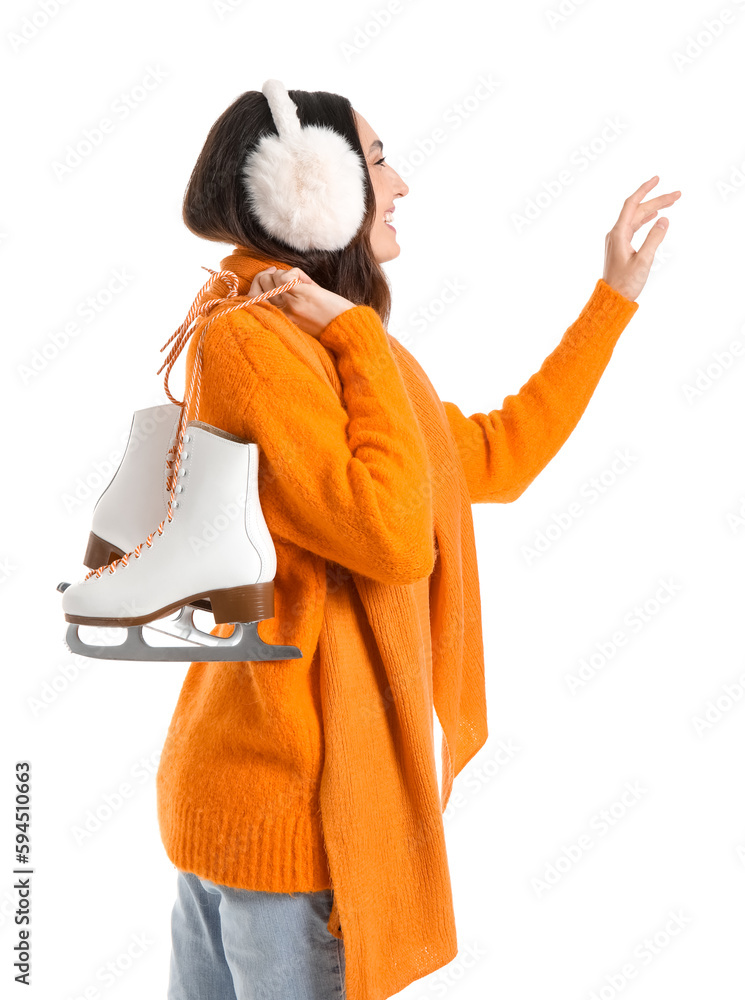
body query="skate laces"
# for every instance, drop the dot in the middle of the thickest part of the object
(200, 307)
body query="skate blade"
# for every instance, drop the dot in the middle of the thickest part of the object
(182, 626)
(244, 644)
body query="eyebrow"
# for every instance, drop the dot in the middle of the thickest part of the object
(377, 143)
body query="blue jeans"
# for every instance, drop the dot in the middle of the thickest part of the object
(240, 944)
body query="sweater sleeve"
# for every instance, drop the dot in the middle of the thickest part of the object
(349, 479)
(503, 451)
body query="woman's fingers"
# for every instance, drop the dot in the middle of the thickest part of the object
(257, 284)
(264, 281)
(635, 212)
(648, 249)
(633, 201)
(648, 209)
(273, 277)
(272, 280)
(661, 201)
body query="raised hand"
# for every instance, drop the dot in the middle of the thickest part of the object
(627, 269)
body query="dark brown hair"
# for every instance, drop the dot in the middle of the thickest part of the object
(216, 207)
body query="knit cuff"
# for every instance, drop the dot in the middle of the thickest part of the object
(604, 316)
(356, 330)
(608, 306)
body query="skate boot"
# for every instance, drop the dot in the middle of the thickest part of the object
(136, 499)
(216, 546)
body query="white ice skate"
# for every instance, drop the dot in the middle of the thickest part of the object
(216, 546)
(211, 550)
(136, 500)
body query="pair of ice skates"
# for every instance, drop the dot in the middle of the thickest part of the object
(212, 549)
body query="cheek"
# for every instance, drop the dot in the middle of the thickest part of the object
(376, 186)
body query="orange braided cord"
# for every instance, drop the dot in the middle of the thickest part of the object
(181, 336)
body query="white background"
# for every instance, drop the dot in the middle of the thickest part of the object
(671, 516)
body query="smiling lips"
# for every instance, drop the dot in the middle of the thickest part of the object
(388, 217)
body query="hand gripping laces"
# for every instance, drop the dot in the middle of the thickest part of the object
(181, 336)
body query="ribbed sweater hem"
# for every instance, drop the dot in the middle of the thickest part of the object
(273, 853)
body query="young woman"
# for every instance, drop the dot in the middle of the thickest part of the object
(298, 799)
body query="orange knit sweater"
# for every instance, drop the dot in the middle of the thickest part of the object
(319, 773)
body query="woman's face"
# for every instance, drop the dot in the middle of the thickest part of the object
(387, 185)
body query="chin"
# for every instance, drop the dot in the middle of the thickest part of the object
(388, 252)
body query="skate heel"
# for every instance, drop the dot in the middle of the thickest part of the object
(100, 553)
(251, 603)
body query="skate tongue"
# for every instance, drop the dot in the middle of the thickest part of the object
(62, 587)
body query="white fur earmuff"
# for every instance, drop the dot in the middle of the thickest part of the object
(305, 186)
